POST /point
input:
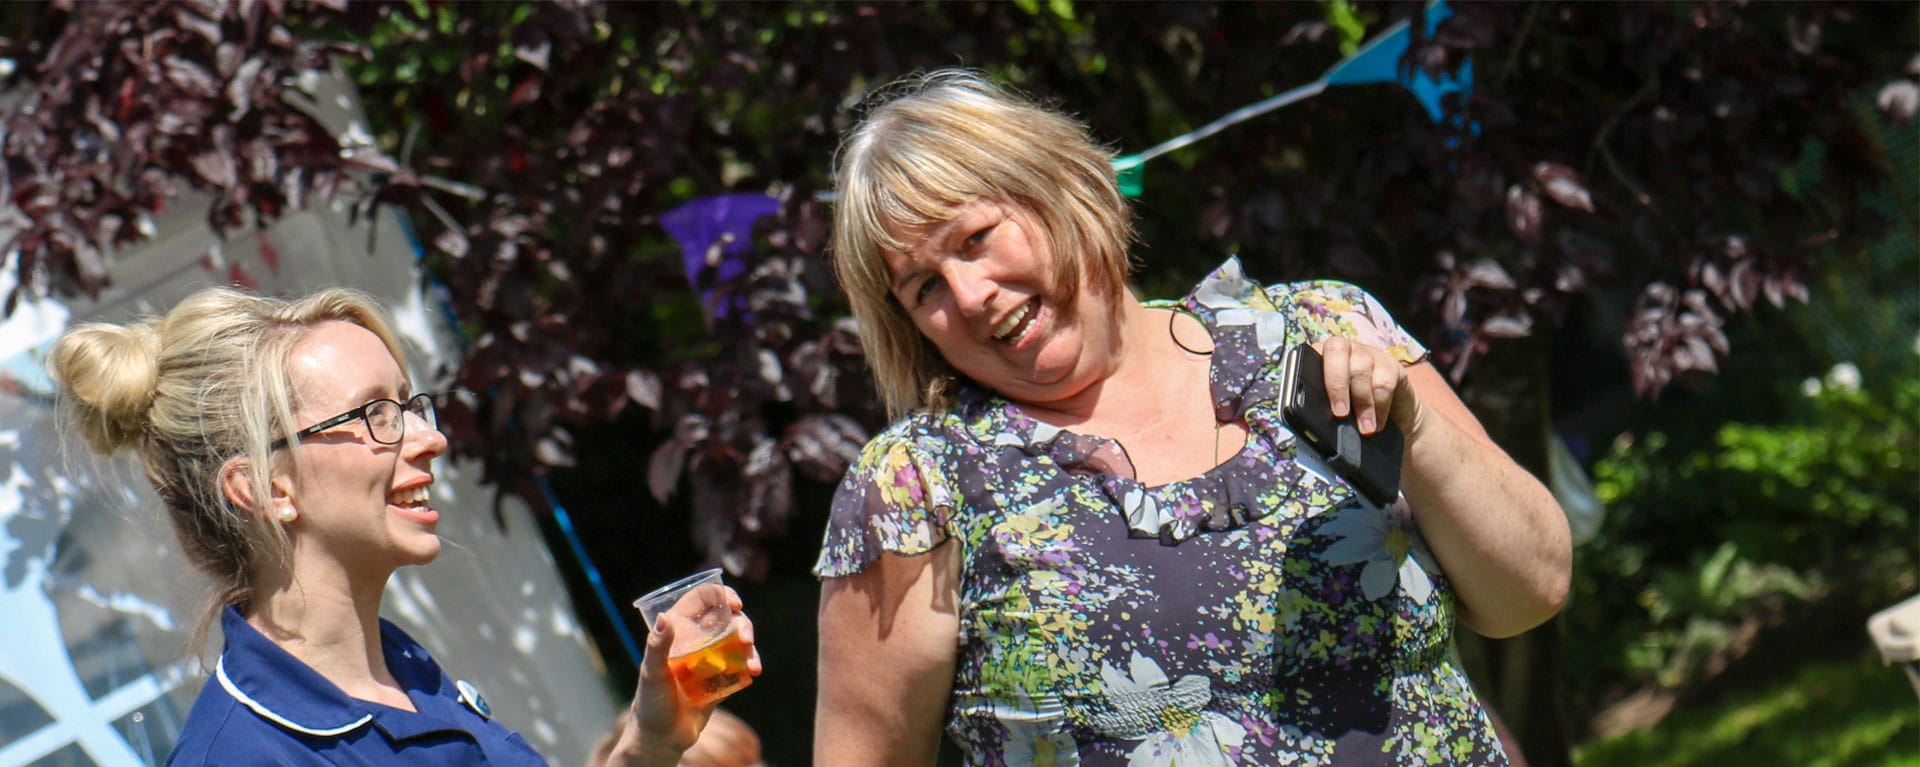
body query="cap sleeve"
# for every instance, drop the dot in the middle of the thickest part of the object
(895, 499)
(1326, 308)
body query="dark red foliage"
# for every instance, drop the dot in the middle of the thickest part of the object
(134, 101)
(1607, 151)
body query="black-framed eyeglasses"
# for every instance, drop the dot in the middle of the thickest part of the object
(386, 420)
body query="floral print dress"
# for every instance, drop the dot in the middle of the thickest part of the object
(1258, 614)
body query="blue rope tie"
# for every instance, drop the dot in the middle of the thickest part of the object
(614, 613)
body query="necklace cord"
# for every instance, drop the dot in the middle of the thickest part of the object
(1174, 314)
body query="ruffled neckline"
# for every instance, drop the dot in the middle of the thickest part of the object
(1266, 475)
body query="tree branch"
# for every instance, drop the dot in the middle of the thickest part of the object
(1519, 42)
(1600, 142)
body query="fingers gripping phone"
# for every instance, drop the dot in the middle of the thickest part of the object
(1370, 463)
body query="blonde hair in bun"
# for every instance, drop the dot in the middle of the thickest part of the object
(110, 371)
(193, 390)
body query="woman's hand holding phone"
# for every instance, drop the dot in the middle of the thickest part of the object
(1343, 417)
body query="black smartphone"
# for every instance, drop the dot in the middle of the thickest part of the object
(1370, 463)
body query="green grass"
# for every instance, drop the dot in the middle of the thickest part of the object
(1855, 713)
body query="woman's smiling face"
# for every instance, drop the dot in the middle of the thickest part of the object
(362, 504)
(979, 287)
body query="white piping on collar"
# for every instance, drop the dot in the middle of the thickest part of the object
(220, 672)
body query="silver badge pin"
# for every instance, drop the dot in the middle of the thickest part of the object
(471, 696)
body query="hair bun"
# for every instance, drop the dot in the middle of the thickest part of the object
(108, 374)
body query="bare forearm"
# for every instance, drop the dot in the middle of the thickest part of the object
(1497, 532)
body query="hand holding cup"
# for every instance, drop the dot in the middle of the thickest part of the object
(669, 713)
(712, 654)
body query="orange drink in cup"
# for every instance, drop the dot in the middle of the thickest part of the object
(712, 671)
(708, 659)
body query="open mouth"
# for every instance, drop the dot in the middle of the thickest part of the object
(413, 497)
(414, 502)
(1015, 326)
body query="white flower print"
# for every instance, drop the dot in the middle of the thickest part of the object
(1386, 540)
(1036, 735)
(1143, 511)
(1170, 718)
(1237, 300)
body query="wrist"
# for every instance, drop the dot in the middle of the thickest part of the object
(639, 749)
(657, 754)
(1411, 417)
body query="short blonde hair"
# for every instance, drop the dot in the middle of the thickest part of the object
(936, 142)
(194, 389)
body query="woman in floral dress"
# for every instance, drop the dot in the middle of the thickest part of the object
(1090, 539)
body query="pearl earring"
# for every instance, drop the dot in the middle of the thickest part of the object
(288, 514)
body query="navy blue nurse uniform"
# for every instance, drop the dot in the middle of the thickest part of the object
(263, 706)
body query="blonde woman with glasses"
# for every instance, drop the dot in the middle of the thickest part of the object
(295, 461)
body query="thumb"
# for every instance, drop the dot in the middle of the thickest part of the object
(653, 663)
(656, 706)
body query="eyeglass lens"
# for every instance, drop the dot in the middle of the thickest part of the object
(384, 419)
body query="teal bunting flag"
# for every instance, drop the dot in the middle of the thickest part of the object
(1376, 62)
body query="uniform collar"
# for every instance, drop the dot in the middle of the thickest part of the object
(281, 689)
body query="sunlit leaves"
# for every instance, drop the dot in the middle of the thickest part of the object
(1524, 212)
(1603, 148)
(1811, 499)
(1673, 334)
(582, 123)
(643, 387)
(132, 98)
(1597, 173)
(1563, 185)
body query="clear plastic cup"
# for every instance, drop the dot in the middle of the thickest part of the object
(708, 659)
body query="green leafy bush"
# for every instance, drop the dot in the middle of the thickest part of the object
(1707, 543)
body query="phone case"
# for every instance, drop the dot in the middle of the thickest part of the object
(1370, 463)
